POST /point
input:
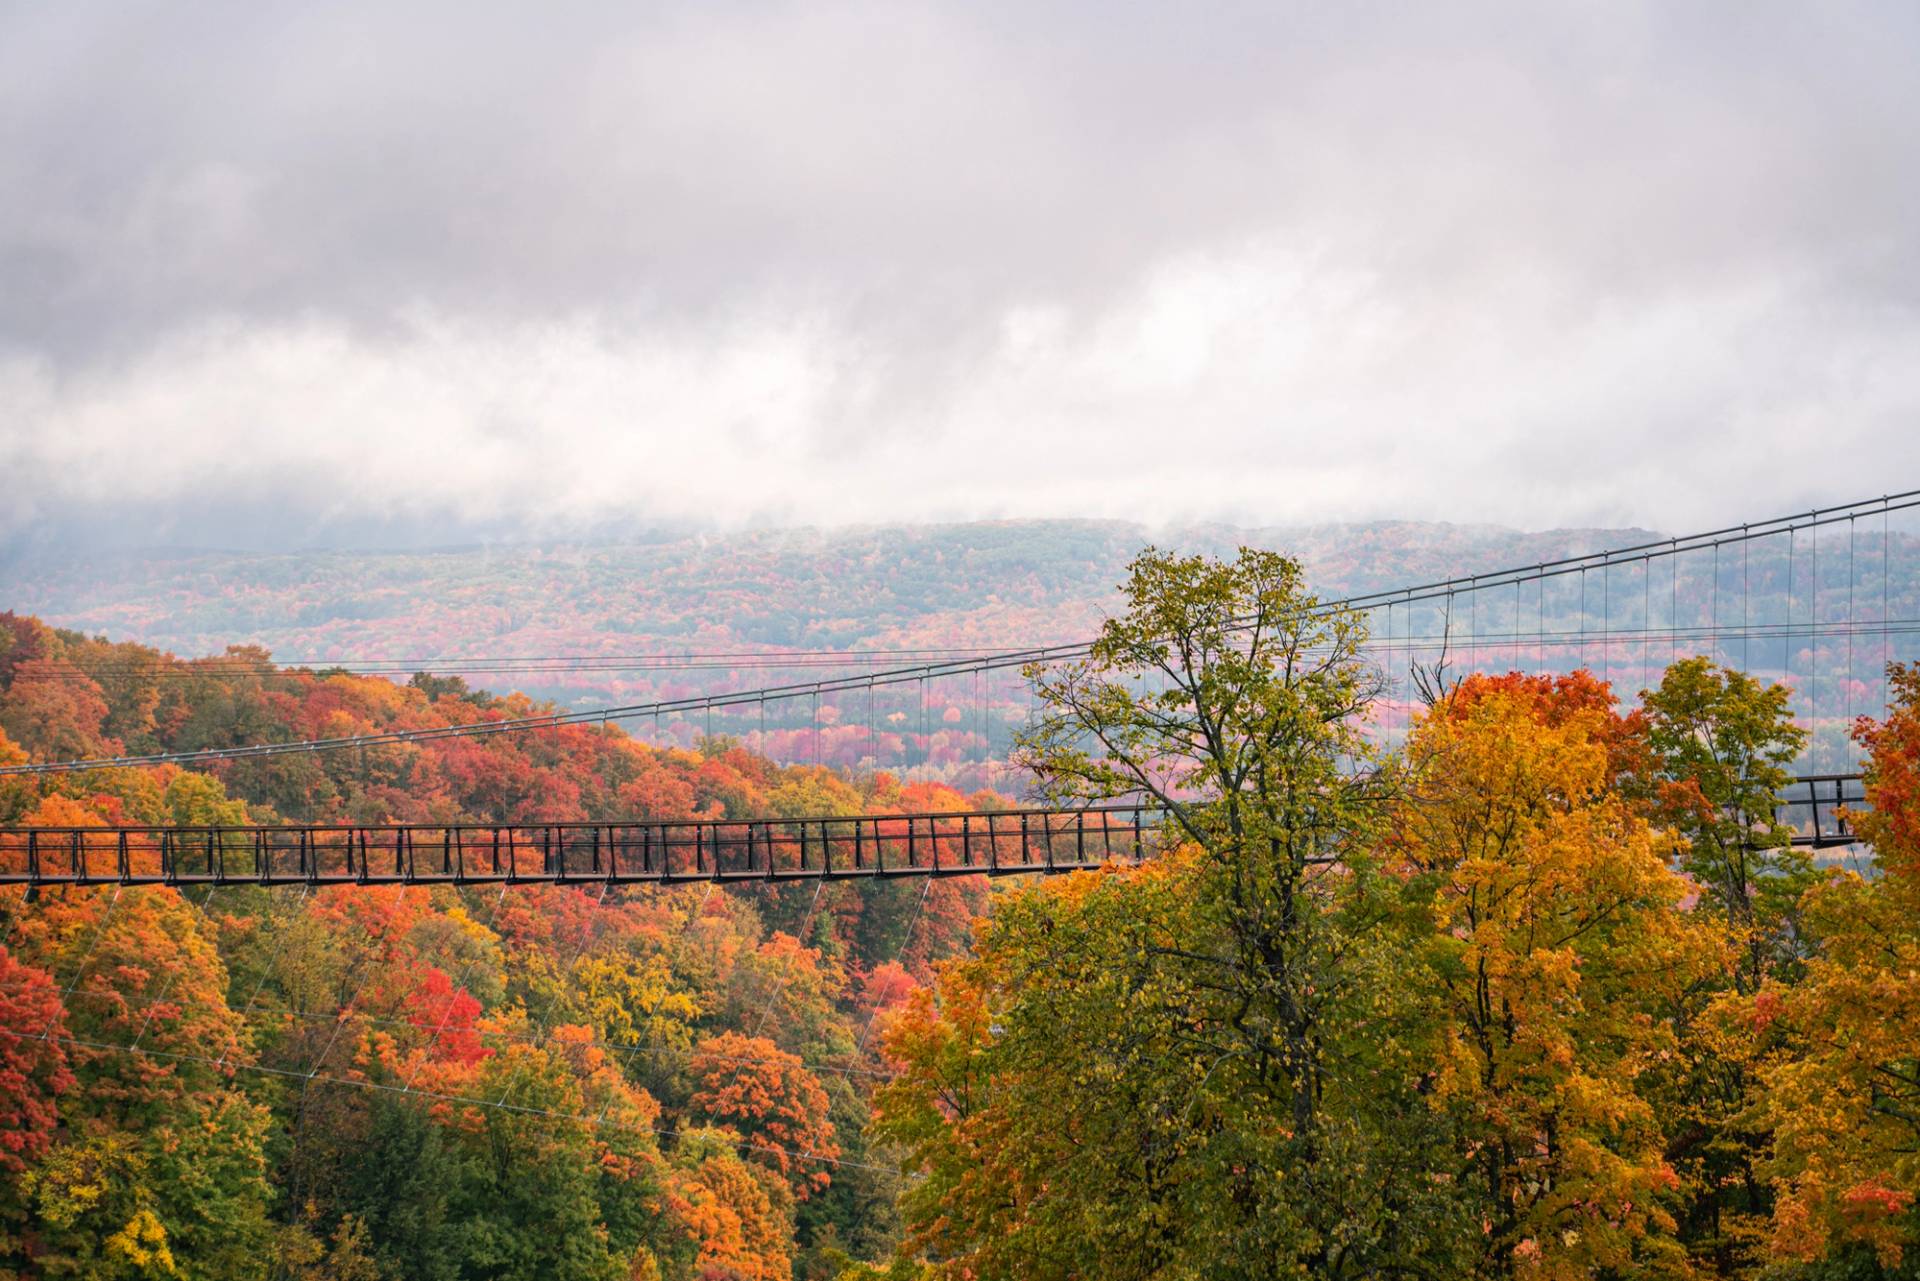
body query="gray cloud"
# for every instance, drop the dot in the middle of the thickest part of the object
(457, 268)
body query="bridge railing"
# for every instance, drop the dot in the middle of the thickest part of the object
(989, 842)
(1815, 808)
(978, 842)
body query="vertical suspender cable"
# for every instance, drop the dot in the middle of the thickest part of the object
(1813, 654)
(1518, 664)
(1673, 611)
(1583, 616)
(1473, 628)
(1713, 620)
(1646, 625)
(1746, 641)
(1846, 712)
(1786, 632)
(1606, 624)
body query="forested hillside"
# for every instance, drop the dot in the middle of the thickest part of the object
(542, 1083)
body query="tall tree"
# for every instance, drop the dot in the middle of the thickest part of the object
(1720, 743)
(1226, 694)
(1559, 927)
(750, 1086)
(1220, 1042)
(1840, 1084)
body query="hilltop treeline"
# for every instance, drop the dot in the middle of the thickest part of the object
(412, 1083)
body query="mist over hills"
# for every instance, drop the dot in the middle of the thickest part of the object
(1001, 584)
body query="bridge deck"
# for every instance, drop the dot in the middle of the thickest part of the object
(980, 842)
(983, 842)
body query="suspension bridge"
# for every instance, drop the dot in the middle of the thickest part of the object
(1812, 601)
(847, 847)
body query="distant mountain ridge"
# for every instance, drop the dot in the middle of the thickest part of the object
(990, 583)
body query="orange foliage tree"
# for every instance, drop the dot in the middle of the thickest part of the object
(755, 1089)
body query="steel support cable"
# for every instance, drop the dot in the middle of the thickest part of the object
(1846, 711)
(146, 1010)
(1473, 629)
(532, 1040)
(766, 1012)
(806, 923)
(166, 989)
(505, 1038)
(298, 1123)
(554, 720)
(266, 971)
(1728, 535)
(1715, 617)
(481, 728)
(340, 1020)
(344, 1012)
(459, 986)
(843, 1069)
(79, 971)
(1813, 647)
(1540, 652)
(174, 667)
(905, 941)
(1513, 641)
(541, 1041)
(341, 1014)
(1017, 658)
(1787, 644)
(1584, 629)
(218, 667)
(626, 1064)
(1673, 607)
(1646, 624)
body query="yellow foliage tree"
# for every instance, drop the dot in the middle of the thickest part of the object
(1559, 926)
(1841, 1082)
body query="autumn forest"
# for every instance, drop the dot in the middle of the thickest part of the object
(1540, 988)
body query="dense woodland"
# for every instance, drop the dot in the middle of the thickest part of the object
(1542, 992)
(415, 1084)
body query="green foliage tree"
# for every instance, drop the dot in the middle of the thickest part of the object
(1720, 743)
(1718, 746)
(1221, 1062)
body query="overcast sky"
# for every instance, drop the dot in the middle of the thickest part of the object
(288, 273)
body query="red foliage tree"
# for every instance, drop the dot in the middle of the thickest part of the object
(445, 1016)
(33, 1062)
